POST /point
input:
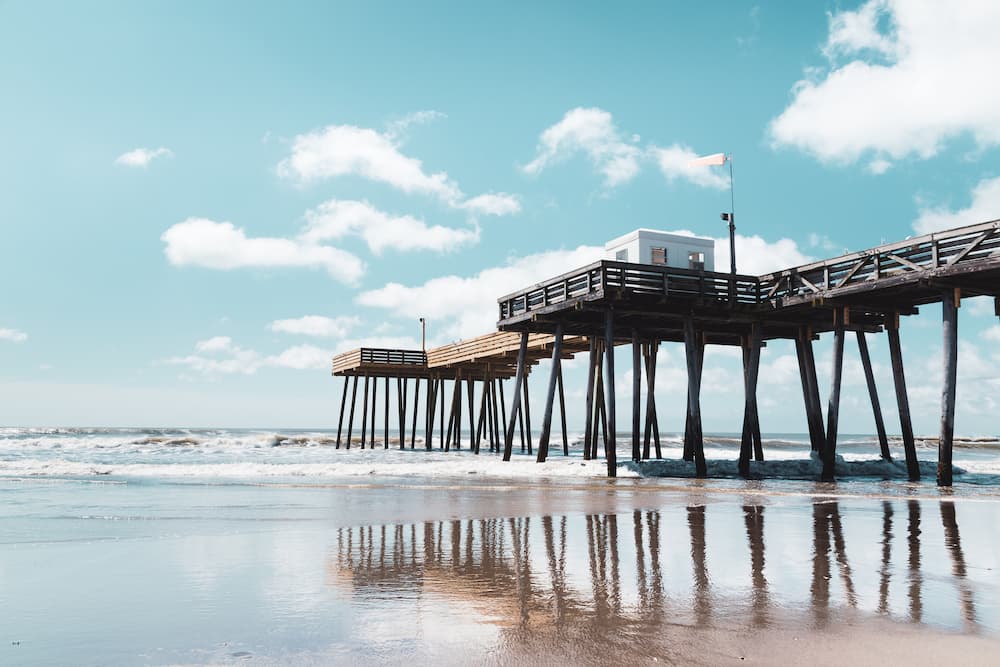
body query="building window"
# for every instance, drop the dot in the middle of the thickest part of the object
(622, 255)
(696, 261)
(659, 256)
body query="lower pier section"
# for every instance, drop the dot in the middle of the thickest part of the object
(476, 394)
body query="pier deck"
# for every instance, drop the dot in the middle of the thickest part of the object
(608, 303)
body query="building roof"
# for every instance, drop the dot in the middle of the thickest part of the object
(655, 234)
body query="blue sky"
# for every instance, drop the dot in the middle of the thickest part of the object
(204, 201)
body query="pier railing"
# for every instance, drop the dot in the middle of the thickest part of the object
(903, 259)
(378, 356)
(608, 279)
(947, 252)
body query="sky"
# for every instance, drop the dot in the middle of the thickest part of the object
(204, 202)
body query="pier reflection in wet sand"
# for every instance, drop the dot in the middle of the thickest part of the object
(625, 582)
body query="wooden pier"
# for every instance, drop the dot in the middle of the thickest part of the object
(610, 303)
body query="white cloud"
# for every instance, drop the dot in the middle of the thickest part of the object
(398, 127)
(904, 78)
(215, 344)
(985, 206)
(335, 219)
(675, 160)
(879, 166)
(221, 245)
(493, 203)
(13, 335)
(756, 256)
(219, 356)
(341, 150)
(461, 307)
(317, 325)
(593, 132)
(992, 334)
(141, 157)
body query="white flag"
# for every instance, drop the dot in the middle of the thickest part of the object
(708, 160)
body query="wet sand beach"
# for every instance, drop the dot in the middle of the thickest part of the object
(477, 571)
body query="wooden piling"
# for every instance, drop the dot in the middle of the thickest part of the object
(470, 385)
(610, 442)
(401, 410)
(691, 349)
(343, 404)
(654, 353)
(751, 372)
(562, 410)
(833, 408)
(519, 379)
(374, 410)
(481, 424)
(550, 395)
(364, 415)
(636, 393)
(902, 401)
(810, 390)
(949, 330)
(350, 418)
(416, 403)
(866, 363)
(526, 410)
(588, 427)
(441, 416)
(431, 403)
(385, 438)
(688, 424)
(496, 396)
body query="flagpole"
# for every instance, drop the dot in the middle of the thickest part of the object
(732, 219)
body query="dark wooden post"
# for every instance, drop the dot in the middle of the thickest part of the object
(550, 395)
(692, 346)
(483, 412)
(364, 415)
(499, 416)
(526, 409)
(688, 425)
(401, 388)
(441, 416)
(654, 354)
(949, 329)
(600, 418)
(496, 397)
(647, 428)
(810, 388)
(416, 403)
(374, 409)
(386, 432)
(562, 411)
(350, 418)
(588, 427)
(750, 375)
(833, 409)
(610, 443)
(636, 393)
(343, 404)
(866, 363)
(902, 401)
(470, 385)
(514, 411)
(432, 388)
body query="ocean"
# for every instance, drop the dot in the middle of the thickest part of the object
(260, 547)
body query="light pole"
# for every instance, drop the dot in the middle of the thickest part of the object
(423, 335)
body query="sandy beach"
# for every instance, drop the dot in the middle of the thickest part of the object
(492, 571)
